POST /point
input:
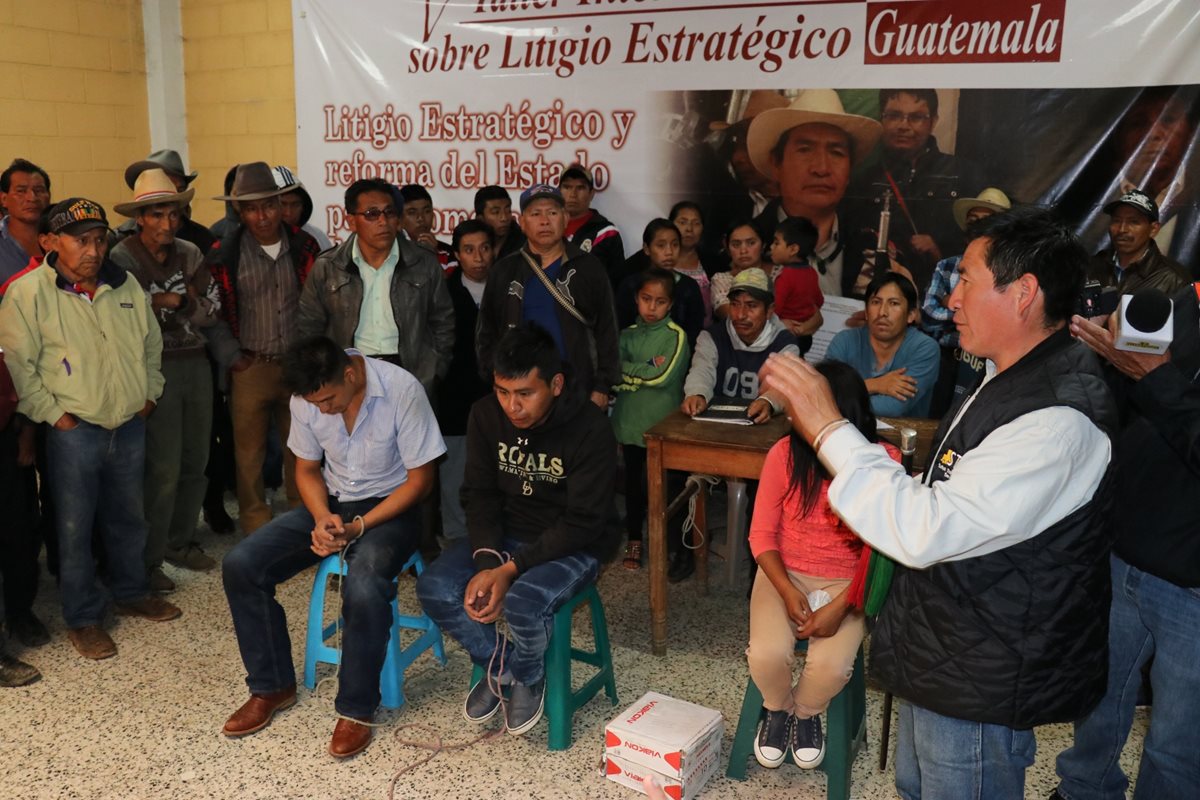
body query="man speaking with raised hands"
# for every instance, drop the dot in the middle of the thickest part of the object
(997, 616)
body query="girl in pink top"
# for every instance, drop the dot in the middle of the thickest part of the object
(807, 559)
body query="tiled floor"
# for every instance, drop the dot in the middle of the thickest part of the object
(146, 724)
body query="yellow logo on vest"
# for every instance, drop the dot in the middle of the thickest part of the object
(945, 464)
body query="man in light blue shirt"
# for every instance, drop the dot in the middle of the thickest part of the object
(898, 362)
(379, 293)
(372, 426)
(376, 331)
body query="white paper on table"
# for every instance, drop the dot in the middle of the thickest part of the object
(834, 313)
(880, 425)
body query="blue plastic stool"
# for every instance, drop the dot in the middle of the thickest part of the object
(561, 702)
(845, 731)
(398, 658)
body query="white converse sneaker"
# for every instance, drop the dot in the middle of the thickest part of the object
(771, 741)
(807, 742)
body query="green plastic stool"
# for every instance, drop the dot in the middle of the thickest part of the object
(561, 702)
(845, 731)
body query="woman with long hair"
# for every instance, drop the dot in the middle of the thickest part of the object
(807, 559)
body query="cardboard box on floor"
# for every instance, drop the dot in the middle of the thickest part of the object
(679, 742)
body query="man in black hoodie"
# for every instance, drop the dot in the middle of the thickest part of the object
(296, 205)
(587, 228)
(538, 491)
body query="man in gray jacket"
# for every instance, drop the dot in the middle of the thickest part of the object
(379, 293)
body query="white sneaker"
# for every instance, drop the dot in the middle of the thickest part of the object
(807, 742)
(771, 740)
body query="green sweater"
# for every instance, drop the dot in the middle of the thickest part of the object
(649, 392)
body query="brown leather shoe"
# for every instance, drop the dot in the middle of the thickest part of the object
(92, 641)
(151, 607)
(349, 738)
(257, 712)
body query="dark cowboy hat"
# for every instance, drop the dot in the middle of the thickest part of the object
(254, 181)
(168, 161)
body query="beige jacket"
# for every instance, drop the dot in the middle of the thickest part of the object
(99, 360)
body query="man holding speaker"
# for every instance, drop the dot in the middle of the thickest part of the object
(1155, 569)
(1005, 534)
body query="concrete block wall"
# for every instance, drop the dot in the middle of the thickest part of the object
(241, 99)
(73, 93)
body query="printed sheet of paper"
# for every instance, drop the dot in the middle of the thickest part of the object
(834, 314)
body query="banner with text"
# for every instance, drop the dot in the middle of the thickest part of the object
(655, 97)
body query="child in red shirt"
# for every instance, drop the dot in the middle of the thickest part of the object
(797, 290)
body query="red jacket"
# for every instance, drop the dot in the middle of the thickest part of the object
(33, 264)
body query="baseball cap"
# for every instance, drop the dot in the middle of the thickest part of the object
(753, 282)
(540, 191)
(76, 215)
(1135, 198)
(576, 172)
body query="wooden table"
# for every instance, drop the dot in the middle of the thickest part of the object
(679, 442)
(712, 448)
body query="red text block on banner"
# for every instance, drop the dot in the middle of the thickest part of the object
(964, 31)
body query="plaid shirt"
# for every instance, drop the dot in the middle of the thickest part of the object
(935, 315)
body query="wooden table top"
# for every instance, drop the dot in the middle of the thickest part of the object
(679, 428)
(680, 442)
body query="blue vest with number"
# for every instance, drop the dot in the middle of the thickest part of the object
(737, 370)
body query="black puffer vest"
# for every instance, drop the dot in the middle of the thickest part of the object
(1018, 637)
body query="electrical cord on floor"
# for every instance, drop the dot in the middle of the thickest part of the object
(494, 675)
(703, 483)
(435, 746)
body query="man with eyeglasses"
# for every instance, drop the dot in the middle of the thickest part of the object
(920, 180)
(85, 353)
(380, 293)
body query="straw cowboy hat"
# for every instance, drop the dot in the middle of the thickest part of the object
(812, 105)
(167, 160)
(990, 197)
(254, 181)
(153, 187)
